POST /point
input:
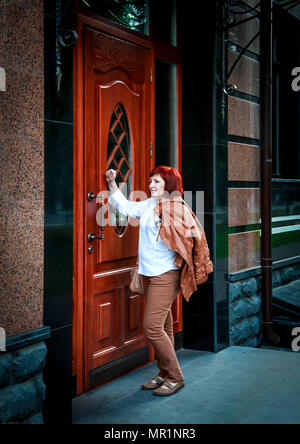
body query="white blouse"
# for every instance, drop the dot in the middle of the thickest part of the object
(155, 257)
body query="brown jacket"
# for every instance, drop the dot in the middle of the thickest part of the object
(181, 231)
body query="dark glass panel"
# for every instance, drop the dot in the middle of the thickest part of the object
(134, 14)
(118, 132)
(285, 219)
(110, 145)
(164, 21)
(286, 116)
(166, 114)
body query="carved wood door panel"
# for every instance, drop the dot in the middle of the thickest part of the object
(117, 133)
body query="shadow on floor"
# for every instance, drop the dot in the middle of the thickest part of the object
(236, 386)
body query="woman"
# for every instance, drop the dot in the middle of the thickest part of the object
(173, 257)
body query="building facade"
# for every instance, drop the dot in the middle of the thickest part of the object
(87, 87)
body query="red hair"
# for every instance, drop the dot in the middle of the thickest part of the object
(171, 176)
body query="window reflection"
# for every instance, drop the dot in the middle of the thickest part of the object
(286, 218)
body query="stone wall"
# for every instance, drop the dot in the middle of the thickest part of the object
(245, 312)
(22, 166)
(245, 304)
(22, 388)
(285, 275)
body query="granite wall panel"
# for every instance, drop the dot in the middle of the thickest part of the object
(244, 251)
(243, 206)
(246, 75)
(243, 118)
(243, 33)
(22, 165)
(243, 162)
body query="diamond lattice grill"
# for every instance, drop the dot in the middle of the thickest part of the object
(118, 155)
(119, 145)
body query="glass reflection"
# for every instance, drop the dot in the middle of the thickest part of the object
(286, 219)
(134, 14)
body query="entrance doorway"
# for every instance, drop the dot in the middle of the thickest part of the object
(114, 114)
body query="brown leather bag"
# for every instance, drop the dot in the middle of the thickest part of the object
(137, 283)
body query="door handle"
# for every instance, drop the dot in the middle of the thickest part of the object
(92, 196)
(91, 236)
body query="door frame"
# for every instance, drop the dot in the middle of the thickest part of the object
(83, 20)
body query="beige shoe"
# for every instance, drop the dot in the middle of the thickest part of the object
(167, 389)
(155, 383)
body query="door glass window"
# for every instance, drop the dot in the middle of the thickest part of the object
(119, 158)
(134, 14)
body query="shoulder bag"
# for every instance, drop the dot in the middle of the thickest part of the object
(137, 284)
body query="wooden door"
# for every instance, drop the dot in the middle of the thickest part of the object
(117, 134)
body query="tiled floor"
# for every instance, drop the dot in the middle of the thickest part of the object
(236, 386)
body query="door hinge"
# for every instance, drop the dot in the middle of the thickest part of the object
(151, 149)
(151, 75)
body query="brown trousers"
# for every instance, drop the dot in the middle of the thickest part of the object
(160, 292)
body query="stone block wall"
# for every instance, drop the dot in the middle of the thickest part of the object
(245, 303)
(245, 312)
(286, 275)
(22, 388)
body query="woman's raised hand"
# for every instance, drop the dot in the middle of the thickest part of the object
(110, 176)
